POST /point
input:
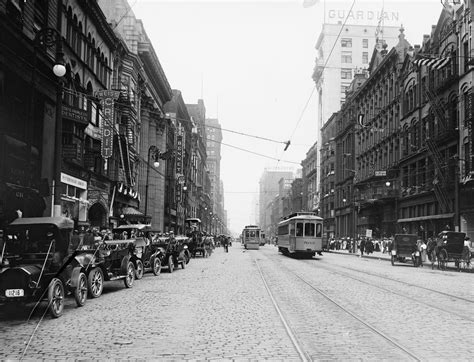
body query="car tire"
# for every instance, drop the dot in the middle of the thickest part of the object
(80, 292)
(95, 282)
(156, 265)
(139, 270)
(56, 297)
(130, 276)
(170, 264)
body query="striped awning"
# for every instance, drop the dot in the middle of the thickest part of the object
(433, 63)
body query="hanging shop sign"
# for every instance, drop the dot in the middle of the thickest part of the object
(107, 98)
(179, 163)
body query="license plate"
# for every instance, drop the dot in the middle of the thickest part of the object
(12, 293)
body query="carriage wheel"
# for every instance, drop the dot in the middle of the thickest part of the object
(442, 259)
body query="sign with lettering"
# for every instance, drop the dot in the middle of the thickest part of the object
(363, 16)
(107, 98)
(75, 114)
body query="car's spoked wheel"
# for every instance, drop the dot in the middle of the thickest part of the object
(56, 298)
(130, 275)
(156, 266)
(95, 282)
(80, 293)
(139, 271)
(170, 264)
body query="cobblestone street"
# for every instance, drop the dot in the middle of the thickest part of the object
(219, 308)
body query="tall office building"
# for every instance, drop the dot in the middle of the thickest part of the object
(343, 50)
(213, 147)
(269, 188)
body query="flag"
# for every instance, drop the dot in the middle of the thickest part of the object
(309, 3)
(433, 63)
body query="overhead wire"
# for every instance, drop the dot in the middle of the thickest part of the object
(324, 67)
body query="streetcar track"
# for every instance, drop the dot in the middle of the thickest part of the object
(414, 285)
(462, 316)
(287, 327)
(340, 306)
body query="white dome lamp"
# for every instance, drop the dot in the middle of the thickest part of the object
(59, 69)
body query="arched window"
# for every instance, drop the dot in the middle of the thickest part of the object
(79, 40)
(69, 25)
(74, 33)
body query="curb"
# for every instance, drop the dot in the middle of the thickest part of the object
(384, 257)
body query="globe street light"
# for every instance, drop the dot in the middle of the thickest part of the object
(153, 152)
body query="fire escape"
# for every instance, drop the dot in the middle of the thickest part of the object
(440, 179)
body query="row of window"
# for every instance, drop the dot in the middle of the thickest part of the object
(301, 229)
(346, 57)
(92, 55)
(347, 43)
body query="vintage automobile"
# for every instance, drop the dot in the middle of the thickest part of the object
(146, 256)
(109, 260)
(405, 246)
(173, 252)
(39, 259)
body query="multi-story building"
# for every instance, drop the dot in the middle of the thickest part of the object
(328, 178)
(36, 104)
(464, 22)
(434, 127)
(340, 55)
(310, 179)
(151, 94)
(213, 147)
(177, 111)
(200, 173)
(268, 189)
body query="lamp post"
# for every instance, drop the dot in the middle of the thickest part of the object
(154, 152)
(47, 38)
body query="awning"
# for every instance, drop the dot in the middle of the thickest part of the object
(428, 217)
(131, 211)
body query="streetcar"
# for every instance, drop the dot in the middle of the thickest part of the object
(251, 237)
(300, 234)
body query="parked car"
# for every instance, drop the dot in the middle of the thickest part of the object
(110, 260)
(173, 252)
(39, 260)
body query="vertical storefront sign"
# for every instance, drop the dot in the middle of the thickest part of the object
(107, 98)
(179, 163)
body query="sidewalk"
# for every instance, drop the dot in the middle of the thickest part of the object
(375, 255)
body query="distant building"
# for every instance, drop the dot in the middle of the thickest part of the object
(269, 189)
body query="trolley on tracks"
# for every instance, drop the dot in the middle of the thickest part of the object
(251, 237)
(300, 234)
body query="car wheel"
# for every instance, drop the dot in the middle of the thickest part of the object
(80, 293)
(95, 282)
(392, 259)
(139, 270)
(156, 266)
(187, 255)
(130, 277)
(170, 264)
(56, 297)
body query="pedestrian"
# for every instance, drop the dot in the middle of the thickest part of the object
(362, 247)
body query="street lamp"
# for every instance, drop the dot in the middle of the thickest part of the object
(153, 152)
(47, 38)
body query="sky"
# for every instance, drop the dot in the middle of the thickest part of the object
(251, 62)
